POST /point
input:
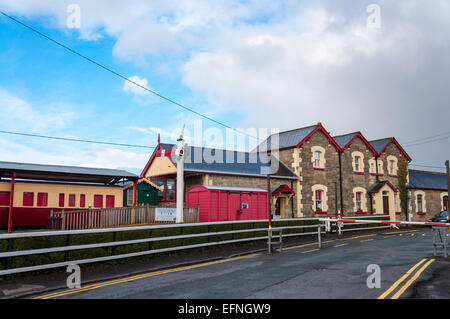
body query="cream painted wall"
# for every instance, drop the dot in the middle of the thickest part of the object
(161, 166)
(53, 191)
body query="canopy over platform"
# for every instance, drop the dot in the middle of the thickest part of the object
(65, 173)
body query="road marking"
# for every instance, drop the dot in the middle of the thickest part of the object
(401, 232)
(417, 274)
(306, 245)
(399, 281)
(310, 251)
(340, 245)
(127, 279)
(362, 241)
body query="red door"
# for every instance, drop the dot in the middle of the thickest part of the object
(110, 201)
(98, 201)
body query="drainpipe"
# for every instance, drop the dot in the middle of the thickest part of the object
(11, 204)
(292, 199)
(340, 183)
(376, 169)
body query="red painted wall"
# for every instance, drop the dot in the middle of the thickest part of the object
(222, 205)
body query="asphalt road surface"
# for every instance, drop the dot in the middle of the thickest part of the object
(338, 270)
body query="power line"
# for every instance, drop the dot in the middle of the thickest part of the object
(429, 141)
(75, 140)
(426, 138)
(122, 76)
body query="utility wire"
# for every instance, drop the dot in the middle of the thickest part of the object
(122, 76)
(75, 140)
(428, 141)
(426, 138)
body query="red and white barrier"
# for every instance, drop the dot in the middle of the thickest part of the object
(382, 222)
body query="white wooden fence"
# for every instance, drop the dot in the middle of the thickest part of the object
(113, 217)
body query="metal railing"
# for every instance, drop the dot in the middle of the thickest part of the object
(113, 217)
(269, 237)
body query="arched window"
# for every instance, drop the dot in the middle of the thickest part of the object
(318, 157)
(319, 196)
(419, 203)
(392, 165)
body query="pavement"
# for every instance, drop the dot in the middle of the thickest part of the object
(338, 270)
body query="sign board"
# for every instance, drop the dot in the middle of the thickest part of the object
(165, 214)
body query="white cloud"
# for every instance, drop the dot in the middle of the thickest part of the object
(18, 113)
(136, 89)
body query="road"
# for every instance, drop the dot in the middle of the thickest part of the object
(338, 270)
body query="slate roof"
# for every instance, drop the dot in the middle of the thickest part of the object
(343, 140)
(63, 173)
(379, 185)
(287, 138)
(426, 179)
(379, 145)
(231, 162)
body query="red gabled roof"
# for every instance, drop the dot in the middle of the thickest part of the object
(320, 128)
(157, 152)
(402, 151)
(356, 135)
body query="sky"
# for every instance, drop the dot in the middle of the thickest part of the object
(381, 68)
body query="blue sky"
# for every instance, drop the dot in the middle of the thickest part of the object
(249, 64)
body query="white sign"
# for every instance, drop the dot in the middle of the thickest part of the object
(165, 214)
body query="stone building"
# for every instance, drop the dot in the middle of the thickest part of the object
(428, 194)
(319, 174)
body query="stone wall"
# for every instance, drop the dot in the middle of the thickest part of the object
(432, 203)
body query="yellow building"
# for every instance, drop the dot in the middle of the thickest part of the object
(28, 192)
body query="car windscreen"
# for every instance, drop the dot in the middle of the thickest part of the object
(443, 214)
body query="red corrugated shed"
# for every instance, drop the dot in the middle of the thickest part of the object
(228, 203)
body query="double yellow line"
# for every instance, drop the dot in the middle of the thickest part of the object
(128, 279)
(404, 277)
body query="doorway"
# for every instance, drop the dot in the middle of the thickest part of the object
(385, 202)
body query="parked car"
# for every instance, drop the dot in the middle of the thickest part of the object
(442, 217)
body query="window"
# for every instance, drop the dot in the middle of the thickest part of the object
(42, 199)
(110, 200)
(130, 196)
(72, 200)
(98, 201)
(445, 203)
(82, 200)
(28, 199)
(319, 200)
(61, 200)
(357, 166)
(391, 167)
(161, 183)
(358, 202)
(4, 199)
(419, 203)
(168, 186)
(170, 192)
(317, 159)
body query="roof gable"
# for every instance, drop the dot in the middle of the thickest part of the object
(381, 145)
(346, 140)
